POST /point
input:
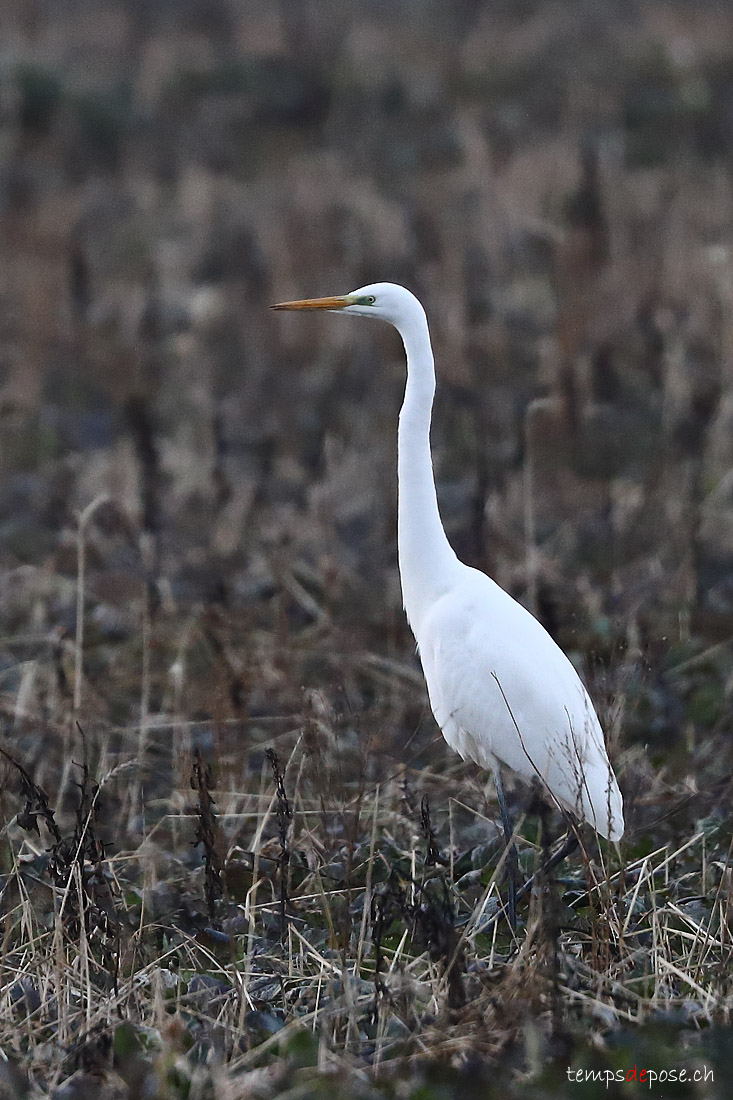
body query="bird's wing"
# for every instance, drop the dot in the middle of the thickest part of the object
(502, 691)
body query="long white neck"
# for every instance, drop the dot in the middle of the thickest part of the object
(428, 565)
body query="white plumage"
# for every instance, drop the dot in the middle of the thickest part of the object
(500, 688)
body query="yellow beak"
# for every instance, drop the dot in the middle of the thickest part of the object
(340, 301)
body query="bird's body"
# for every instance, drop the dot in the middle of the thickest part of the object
(481, 652)
(500, 688)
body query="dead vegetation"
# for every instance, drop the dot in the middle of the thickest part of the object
(353, 930)
(259, 871)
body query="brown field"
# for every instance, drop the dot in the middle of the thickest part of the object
(236, 857)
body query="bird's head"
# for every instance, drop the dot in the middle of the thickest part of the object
(387, 301)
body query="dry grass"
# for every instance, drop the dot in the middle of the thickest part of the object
(197, 542)
(308, 913)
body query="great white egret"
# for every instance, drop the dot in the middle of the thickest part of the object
(500, 688)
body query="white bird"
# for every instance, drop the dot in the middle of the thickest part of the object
(500, 688)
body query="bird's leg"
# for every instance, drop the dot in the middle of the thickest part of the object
(569, 844)
(512, 860)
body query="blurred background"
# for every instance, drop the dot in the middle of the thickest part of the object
(552, 179)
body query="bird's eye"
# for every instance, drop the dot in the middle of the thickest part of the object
(371, 299)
